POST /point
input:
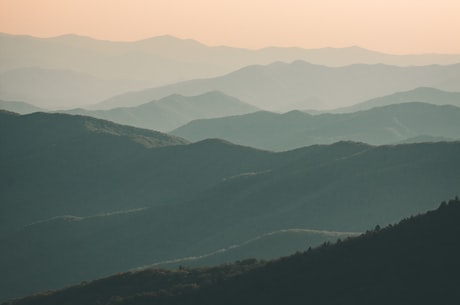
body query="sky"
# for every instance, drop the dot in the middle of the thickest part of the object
(390, 26)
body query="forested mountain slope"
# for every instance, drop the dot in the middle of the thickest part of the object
(413, 262)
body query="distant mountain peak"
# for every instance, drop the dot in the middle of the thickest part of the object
(426, 89)
(216, 142)
(73, 36)
(296, 114)
(171, 40)
(212, 93)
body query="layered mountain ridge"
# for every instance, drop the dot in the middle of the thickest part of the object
(416, 264)
(381, 125)
(72, 192)
(172, 111)
(301, 85)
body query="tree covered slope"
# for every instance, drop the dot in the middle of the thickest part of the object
(413, 262)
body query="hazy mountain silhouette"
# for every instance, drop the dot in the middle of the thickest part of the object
(413, 262)
(300, 85)
(70, 70)
(19, 107)
(175, 59)
(106, 59)
(50, 88)
(84, 198)
(172, 111)
(381, 125)
(422, 94)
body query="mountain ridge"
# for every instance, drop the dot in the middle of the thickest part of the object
(302, 85)
(19, 107)
(175, 59)
(172, 111)
(416, 252)
(160, 203)
(61, 88)
(420, 94)
(307, 188)
(175, 38)
(384, 125)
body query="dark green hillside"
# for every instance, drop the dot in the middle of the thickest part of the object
(340, 187)
(413, 262)
(55, 164)
(67, 250)
(267, 246)
(47, 157)
(44, 130)
(84, 198)
(377, 126)
(348, 193)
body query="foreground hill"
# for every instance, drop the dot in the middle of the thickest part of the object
(301, 85)
(422, 94)
(38, 132)
(172, 111)
(215, 195)
(84, 198)
(49, 156)
(383, 125)
(267, 246)
(413, 262)
(105, 167)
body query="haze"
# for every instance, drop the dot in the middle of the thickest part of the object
(391, 26)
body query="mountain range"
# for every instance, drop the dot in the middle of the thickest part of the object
(413, 262)
(84, 198)
(301, 85)
(40, 152)
(106, 59)
(172, 111)
(165, 171)
(421, 94)
(74, 71)
(52, 88)
(166, 59)
(381, 125)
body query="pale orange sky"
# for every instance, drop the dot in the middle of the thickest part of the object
(392, 26)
